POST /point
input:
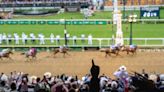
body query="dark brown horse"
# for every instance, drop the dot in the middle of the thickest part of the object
(112, 50)
(6, 54)
(109, 51)
(130, 49)
(63, 50)
(32, 52)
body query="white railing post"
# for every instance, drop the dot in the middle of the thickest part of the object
(145, 41)
(99, 43)
(163, 41)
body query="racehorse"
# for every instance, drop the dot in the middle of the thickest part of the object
(63, 50)
(112, 50)
(32, 52)
(6, 54)
(130, 49)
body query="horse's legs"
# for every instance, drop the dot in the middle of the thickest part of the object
(27, 58)
(34, 57)
(10, 58)
(135, 52)
(106, 54)
(109, 54)
(127, 52)
(64, 55)
(1, 58)
(54, 54)
(67, 53)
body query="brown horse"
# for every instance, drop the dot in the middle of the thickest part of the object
(63, 50)
(6, 54)
(32, 52)
(109, 51)
(129, 49)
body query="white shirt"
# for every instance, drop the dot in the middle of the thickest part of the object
(52, 35)
(74, 37)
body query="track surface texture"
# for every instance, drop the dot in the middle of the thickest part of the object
(79, 63)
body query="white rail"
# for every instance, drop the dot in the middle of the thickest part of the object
(96, 42)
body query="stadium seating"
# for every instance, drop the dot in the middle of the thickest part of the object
(136, 2)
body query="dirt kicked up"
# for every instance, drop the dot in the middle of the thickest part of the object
(79, 63)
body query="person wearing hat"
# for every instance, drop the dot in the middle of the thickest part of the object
(121, 73)
(90, 39)
(82, 38)
(58, 39)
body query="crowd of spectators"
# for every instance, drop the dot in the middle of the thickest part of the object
(124, 82)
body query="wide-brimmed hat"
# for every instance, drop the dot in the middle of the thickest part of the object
(32, 79)
(47, 74)
(122, 68)
(153, 77)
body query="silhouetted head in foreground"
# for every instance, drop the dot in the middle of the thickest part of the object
(95, 70)
(94, 83)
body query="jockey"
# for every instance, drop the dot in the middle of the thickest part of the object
(132, 46)
(61, 48)
(113, 47)
(5, 50)
(31, 51)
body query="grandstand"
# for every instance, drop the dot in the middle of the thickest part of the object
(135, 2)
(44, 3)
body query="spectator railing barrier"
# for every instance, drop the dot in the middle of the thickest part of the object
(96, 42)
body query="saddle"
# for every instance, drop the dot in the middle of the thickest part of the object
(132, 47)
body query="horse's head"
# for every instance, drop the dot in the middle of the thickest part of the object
(66, 49)
(122, 48)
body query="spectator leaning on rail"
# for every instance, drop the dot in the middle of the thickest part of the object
(74, 40)
(90, 39)
(57, 39)
(52, 38)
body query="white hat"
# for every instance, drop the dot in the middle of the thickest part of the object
(33, 77)
(4, 77)
(114, 84)
(47, 74)
(122, 68)
(83, 78)
(153, 77)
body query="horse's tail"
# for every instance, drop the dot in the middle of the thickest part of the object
(102, 49)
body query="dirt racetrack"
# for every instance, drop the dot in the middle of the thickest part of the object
(79, 63)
